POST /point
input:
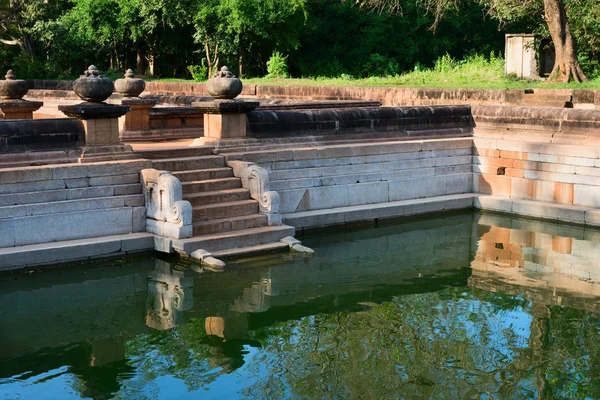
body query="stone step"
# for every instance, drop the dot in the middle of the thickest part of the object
(252, 251)
(234, 239)
(230, 224)
(203, 174)
(224, 210)
(52, 195)
(12, 258)
(157, 154)
(211, 185)
(219, 196)
(65, 206)
(189, 163)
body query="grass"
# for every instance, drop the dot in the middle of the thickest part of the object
(475, 72)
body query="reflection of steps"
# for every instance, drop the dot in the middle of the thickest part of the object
(225, 218)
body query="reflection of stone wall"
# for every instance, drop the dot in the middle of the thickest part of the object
(537, 258)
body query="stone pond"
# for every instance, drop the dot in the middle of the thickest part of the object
(462, 305)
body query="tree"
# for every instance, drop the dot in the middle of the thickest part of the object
(566, 66)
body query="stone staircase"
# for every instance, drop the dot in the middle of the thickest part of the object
(226, 220)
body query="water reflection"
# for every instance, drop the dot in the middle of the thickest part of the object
(460, 307)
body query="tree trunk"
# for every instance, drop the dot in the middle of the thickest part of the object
(140, 62)
(566, 65)
(241, 64)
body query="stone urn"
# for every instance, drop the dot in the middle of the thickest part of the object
(224, 85)
(92, 86)
(13, 88)
(130, 86)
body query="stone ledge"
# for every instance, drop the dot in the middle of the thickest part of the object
(558, 213)
(73, 250)
(352, 214)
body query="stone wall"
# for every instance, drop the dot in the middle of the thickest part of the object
(50, 134)
(542, 155)
(56, 203)
(387, 96)
(400, 122)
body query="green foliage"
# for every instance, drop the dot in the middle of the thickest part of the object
(277, 66)
(199, 72)
(379, 65)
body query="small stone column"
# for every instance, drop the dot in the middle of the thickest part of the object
(138, 118)
(12, 105)
(225, 117)
(100, 120)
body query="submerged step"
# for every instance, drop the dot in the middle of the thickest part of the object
(234, 239)
(268, 248)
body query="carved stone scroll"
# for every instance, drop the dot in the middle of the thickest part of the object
(256, 179)
(166, 213)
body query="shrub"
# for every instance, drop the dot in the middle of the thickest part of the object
(379, 65)
(199, 72)
(277, 66)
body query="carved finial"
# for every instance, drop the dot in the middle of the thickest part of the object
(129, 74)
(10, 75)
(224, 72)
(92, 71)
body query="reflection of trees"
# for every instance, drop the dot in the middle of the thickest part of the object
(449, 344)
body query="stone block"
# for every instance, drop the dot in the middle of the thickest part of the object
(115, 179)
(139, 219)
(225, 126)
(459, 183)
(290, 200)
(587, 196)
(77, 183)
(7, 233)
(493, 203)
(311, 219)
(40, 197)
(406, 189)
(295, 184)
(368, 193)
(447, 144)
(299, 173)
(86, 204)
(592, 218)
(305, 154)
(103, 131)
(454, 169)
(73, 225)
(492, 184)
(121, 190)
(279, 165)
(325, 197)
(118, 168)
(38, 209)
(137, 242)
(9, 212)
(562, 213)
(82, 193)
(407, 174)
(134, 200)
(69, 172)
(447, 161)
(350, 179)
(163, 244)
(25, 174)
(592, 171)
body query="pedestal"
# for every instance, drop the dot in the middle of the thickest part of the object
(19, 109)
(223, 120)
(101, 125)
(138, 118)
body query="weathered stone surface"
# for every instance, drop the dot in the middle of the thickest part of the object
(130, 86)
(224, 85)
(92, 86)
(12, 88)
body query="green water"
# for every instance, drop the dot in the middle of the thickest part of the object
(468, 306)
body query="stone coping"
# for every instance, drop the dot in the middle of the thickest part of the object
(87, 110)
(20, 104)
(387, 96)
(225, 106)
